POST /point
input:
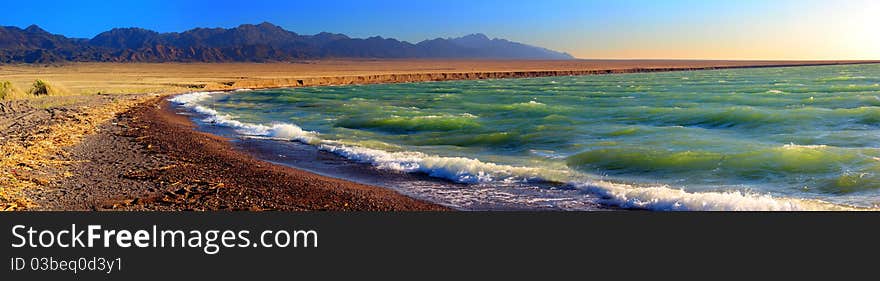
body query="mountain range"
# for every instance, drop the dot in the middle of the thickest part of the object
(246, 43)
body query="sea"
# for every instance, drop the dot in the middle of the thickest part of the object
(756, 139)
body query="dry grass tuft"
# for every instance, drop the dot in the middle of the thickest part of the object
(8, 91)
(44, 88)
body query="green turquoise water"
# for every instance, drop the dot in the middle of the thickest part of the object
(799, 133)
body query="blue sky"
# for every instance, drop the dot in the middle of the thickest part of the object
(745, 29)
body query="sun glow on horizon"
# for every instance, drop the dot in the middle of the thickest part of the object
(861, 31)
(807, 30)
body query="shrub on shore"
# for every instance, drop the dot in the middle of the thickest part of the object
(44, 88)
(40, 88)
(8, 91)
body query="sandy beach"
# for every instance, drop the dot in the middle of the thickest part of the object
(111, 141)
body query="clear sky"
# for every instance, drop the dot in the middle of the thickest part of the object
(673, 29)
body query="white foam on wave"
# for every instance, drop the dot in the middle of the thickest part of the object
(810, 146)
(284, 131)
(663, 198)
(191, 98)
(468, 170)
(458, 169)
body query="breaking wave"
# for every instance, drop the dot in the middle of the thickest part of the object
(278, 130)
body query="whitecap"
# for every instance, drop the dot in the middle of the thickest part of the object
(663, 198)
(284, 131)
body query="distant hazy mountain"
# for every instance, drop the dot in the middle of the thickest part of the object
(245, 43)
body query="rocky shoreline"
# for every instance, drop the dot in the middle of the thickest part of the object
(151, 158)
